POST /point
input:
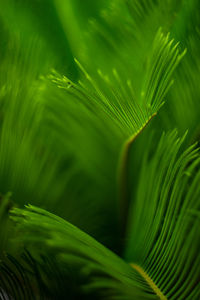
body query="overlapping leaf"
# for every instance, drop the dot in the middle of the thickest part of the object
(163, 242)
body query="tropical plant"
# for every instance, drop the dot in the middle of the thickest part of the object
(99, 154)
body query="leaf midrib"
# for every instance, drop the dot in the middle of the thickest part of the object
(150, 282)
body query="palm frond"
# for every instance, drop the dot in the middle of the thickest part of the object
(163, 230)
(163, 236)
(71, 143)
(104, 105)
(99, 268)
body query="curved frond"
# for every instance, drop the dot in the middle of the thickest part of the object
(100, 269)
(163, 244)
(164, 224)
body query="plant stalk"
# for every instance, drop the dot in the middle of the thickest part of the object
(150, 282)
(122, 180)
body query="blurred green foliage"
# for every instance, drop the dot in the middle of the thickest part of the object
(87, 91)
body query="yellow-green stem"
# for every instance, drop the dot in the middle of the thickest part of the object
(150, 282)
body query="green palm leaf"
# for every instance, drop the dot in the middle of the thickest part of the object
(74, 140)
(163, 243)
(163, 229)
